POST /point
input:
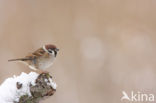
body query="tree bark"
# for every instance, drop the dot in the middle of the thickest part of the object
(39, 91)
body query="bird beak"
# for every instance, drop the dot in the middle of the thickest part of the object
(57, 49)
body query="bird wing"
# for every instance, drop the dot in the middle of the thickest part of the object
(38, 53)
(32, 56)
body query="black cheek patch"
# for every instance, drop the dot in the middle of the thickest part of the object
(55, 53)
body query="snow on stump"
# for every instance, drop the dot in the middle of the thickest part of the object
(27, 88)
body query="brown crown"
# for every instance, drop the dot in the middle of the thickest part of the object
(50, 46)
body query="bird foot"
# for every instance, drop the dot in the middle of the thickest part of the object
(39, 71)
(44, 72)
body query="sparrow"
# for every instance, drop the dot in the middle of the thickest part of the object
(41, 59)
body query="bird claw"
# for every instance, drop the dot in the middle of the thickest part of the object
(44, 72)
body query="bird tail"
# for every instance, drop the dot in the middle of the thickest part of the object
(19, 59)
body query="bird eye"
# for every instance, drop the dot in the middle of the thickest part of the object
(50, 51)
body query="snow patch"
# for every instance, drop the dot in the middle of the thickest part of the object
(9, 91)
(53, 84)
(15, 87)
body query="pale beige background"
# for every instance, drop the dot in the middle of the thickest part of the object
(106, 46)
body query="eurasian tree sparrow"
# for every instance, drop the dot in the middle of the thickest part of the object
(41, 58)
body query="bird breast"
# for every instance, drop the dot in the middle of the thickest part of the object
(45, 62)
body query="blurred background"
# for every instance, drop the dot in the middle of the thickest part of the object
(106, 46)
